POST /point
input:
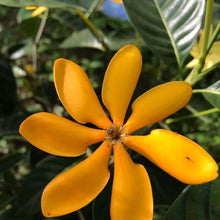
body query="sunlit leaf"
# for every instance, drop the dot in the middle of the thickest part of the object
(212, 94)
(169, 28)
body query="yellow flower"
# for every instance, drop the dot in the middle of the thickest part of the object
(118, 1)
(212, 57)
(37, 10)
(131, 193)
(29, 68)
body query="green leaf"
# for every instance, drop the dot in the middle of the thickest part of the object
(10, 125)
(197, 202)
(7, 88)
(197, 205)
(169, 28)
(30, 26)
(28, 200)
(82, 38)
(80, 4)
(176, 211)
(215, 200)
(24, 14)
(121, 38)
(212, 94)
(9, 161)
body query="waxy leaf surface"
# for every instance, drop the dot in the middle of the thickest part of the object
(169, 28)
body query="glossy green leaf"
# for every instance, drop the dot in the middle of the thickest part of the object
(197, 202)
(197, 205)
(81, 4)
(212, 94)
(177, 209)
(215, 200)
(83, 38)
(9, 161)
(121, 38)
(169, 28)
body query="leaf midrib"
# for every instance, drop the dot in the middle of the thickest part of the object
(169, 34)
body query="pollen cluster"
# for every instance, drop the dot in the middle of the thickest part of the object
(114, 134)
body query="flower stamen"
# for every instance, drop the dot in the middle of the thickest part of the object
(114, 134)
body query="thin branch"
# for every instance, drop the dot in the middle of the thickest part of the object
(164, 125)
(80, 215)
(93, 29)
(213, 38)
(92, 8)
(194, 115)
(194, 111)
(37, 39)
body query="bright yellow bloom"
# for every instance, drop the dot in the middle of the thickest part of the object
(131, 194)
(29, 68)
(212, 57)
(118, 1)
(37, 10)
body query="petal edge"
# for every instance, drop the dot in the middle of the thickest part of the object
(158, 103)
(78, 186)
(120, 81)
(76, 93)
(59, 136)
(175, 154)
(131, 193)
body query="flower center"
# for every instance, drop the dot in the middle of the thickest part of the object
(114, 134)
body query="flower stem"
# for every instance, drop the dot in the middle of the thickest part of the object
(194, 111)
(192, 79)
(195, 115)
(208, 21)
(198, 90)
(213, 38)
(92, 8)
(93, 29)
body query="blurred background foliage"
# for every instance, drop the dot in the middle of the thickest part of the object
(89, 33)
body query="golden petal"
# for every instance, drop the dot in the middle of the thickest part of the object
(78, 186)
(131, 193)
(158, 103)
(175, 154)
(56, 135)
(77, 94)
(120, 81)
(39, 10)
